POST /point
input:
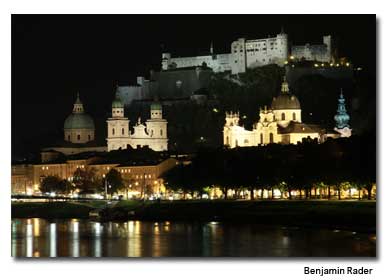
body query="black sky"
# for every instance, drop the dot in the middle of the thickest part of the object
(53, 56)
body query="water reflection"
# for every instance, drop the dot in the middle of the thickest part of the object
(53, 240)
(98, 242)
(29, 239)
(75, 243)
(80, 238)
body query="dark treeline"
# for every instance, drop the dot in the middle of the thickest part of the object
(336, 164)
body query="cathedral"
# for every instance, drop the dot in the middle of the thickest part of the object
(152, 134)
(282, 123)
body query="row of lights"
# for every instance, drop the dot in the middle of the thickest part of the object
(322, 64)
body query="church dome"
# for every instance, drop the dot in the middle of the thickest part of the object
(285, 101)
(117, 103)
(155, 106)
(79, 121)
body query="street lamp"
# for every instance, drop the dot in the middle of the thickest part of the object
(105, 186)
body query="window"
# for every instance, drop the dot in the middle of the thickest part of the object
(246, 141)
(271, 137)
(123, 131)
(89, 137)
(113, 131)
(294, 116)
(161, 132)
(261, 138)
(68, 137)
(78, 136)
(283, 116)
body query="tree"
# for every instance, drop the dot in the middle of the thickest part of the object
(53, 184)
(85, 180)
(115, 181)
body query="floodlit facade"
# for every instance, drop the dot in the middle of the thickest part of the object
(322, 52)
(282, 123)
(27, 178)
(152, 134)
(244, 54)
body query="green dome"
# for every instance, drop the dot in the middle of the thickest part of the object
(156, 106)
(79, 121)
(117, 103)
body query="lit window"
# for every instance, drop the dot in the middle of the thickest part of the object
(283, 116)
(294, 116)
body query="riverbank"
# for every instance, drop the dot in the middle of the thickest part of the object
(341, 214)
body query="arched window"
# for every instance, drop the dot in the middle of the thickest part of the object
(113, 131)
(78, 136)
(283, 116)
(161, 132)
(151, 133)
(294, 116)
(261, 138)
(271, 137)
(123, 131)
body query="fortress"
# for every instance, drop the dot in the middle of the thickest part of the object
(182, 76)
(253, 53)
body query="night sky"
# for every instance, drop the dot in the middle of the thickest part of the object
(54, 56)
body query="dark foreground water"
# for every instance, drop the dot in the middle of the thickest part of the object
(84, 238)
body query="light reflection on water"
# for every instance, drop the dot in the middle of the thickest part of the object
(84, 238)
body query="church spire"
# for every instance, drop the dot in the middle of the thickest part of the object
(342, 117)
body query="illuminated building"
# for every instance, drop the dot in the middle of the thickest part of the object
(281, 123)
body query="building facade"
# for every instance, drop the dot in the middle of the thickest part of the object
(244, 54)
(322, 52)
(27, 178)
(281, 123)
(152, 134)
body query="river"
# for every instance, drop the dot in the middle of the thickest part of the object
(84, 238)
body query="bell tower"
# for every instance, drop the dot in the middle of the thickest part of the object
(342, 118)
(118, 135)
